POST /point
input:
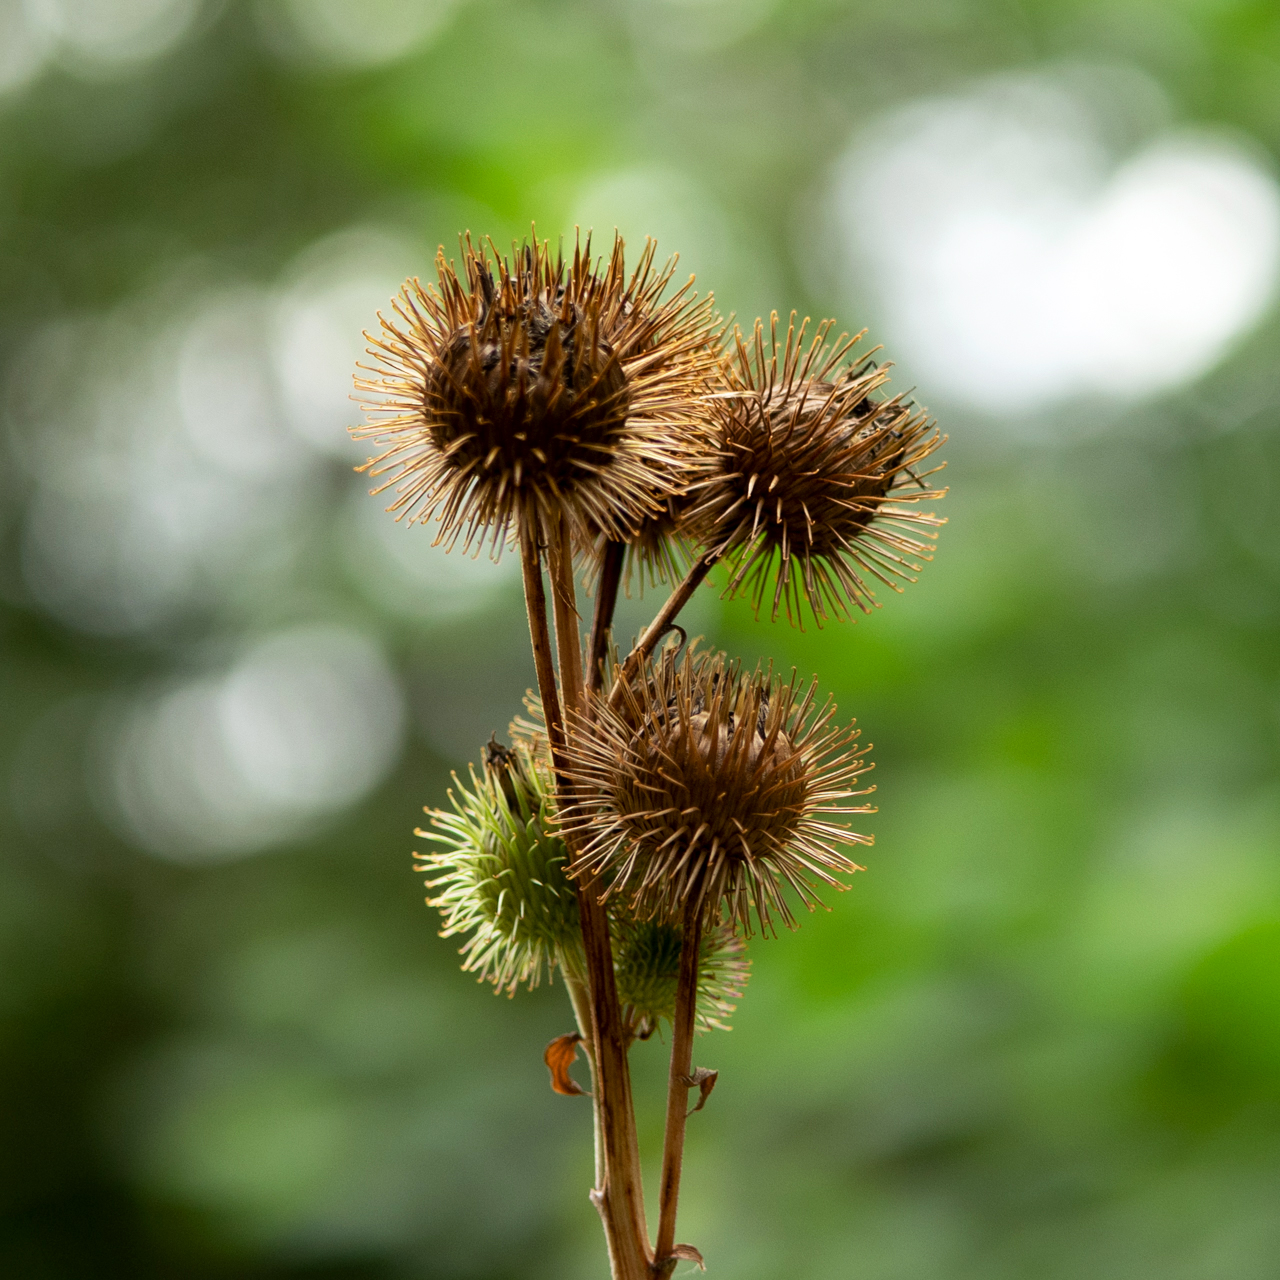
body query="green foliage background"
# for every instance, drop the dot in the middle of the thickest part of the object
(1040, 1037)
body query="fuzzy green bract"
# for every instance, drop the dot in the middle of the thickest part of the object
(504, 878)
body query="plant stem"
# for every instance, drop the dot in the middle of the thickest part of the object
(535, 601)
(564, 606)
(677, 1085)
(612, 560)
(665, 617)
(618, 1195)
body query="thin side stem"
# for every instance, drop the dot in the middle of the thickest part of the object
(654, 632)
(678, 1086)
(612, 560)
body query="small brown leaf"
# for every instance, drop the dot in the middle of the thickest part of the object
(559, 1058)
(705, 1079)
(686, 1252)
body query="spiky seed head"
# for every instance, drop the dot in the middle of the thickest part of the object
(558, 388)
(502, 872)
(646, 955)
(815, 479)
(704, 783)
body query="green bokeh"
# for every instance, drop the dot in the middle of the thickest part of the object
(1039, 1037)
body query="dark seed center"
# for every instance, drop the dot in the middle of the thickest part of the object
(532, 389)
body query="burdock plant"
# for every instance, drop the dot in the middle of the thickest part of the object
(664, 804)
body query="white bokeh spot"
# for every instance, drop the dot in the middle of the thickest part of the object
(365, 33)
(23, 46)
(164, 476)
(305, 724)
(105, 37)
(1017, 263)
(395, 565)
(331, 296)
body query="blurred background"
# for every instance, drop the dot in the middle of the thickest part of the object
(1039, 1038)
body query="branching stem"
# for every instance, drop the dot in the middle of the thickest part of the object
(619, 1194)
(564, 606)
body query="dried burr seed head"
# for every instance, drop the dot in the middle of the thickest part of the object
(708, 784)
(556, 388)
(814, 476)
(503, 865)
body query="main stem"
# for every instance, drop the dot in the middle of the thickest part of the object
(580, 997)
(678, 1085)
(618, 1194)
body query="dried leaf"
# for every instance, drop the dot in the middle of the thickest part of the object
(686, 1252)
(705, 1079)
(559, 1058)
